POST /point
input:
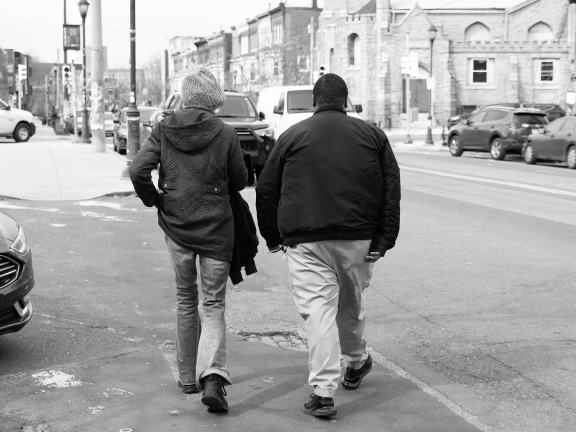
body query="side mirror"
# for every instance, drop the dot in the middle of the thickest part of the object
(261, 116)
(277, 110)
(358, 108)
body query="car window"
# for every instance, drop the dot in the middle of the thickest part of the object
(568, 125)
(3, 105)
(300, 101)
(237, 106)
(556, 125)
(494, 115)
(537, 119)
(281, 102)
(478, 118)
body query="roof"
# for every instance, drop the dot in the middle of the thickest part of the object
(455, 4)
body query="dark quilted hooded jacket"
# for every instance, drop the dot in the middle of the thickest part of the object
(200, 159)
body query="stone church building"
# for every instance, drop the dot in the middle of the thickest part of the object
(485, 51)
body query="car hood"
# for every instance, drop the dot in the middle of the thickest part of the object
(21, 113)
(8, 228)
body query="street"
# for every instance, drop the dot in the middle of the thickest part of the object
(470, 317)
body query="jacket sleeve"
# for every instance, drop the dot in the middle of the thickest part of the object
(268, 195)
(141, 168)
(389, 220)
(237, 172)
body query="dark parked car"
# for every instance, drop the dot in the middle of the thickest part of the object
(552, 111)
(16, 276)
(147, 126)
(556, 142)
(255, 137)
(120, 134)
(498, 130)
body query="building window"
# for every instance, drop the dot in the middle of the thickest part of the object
(540, 32)
(276, 68)
(480, 71)
(303, 63)
(353, 50)
(546, 71)
(277, 33)
(477, 32)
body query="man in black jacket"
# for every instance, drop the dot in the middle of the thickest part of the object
(200, 161)
(329, 196)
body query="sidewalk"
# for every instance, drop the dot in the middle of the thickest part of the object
(51, 168)
(137, 391)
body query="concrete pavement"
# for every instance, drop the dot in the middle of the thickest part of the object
(51, 168)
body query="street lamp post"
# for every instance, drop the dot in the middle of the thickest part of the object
(83, 7)
(432, 32)
(132, 114)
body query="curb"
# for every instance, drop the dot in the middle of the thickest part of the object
(91, 197)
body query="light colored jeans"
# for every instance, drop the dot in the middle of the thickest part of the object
(328, 282)
(200, 345)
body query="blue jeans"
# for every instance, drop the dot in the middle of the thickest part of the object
(200, 343)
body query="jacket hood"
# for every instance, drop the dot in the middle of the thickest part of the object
(191, 129)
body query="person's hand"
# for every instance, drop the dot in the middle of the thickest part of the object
(275, 249)
(372, 257)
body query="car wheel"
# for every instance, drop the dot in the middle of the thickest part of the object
(22, 133)
(571, 157)
(529, 155)
(455, 147)
(496, 149)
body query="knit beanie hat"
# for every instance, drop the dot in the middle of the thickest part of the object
(201, 89)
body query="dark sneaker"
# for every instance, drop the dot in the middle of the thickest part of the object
(319, 406)
(188, 389)
(353, 377)
(214, 393)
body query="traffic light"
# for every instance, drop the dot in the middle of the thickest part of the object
(66, 71)
(322, 70)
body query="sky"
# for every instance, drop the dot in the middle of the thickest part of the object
(36, 26)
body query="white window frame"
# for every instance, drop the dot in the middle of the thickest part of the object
(489, 72)
(538, 71)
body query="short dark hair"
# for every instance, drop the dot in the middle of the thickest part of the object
(330, 89)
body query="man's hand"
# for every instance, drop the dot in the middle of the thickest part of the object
(275, 249)
(372, 257)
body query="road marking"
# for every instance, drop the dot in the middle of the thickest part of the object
(456, 409)
(490, 181)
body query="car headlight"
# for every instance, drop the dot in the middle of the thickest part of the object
(268, 132)
(455, 118)
(19, 244)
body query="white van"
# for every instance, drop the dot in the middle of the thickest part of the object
(287, 105)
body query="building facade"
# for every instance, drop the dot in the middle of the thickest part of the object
(270, 49)
(503, 51)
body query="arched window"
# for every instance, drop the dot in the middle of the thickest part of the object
(540, 32)
(477, 32)
(353, 50)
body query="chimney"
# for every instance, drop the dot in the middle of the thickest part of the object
(314, 4)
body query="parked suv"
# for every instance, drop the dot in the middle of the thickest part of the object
(16, 123)
(498, 130)
(255, 137)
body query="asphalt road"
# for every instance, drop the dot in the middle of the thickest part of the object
(474, 306)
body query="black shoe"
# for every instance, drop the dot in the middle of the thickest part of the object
(319, 406)
(353, 377)
(188, 389)
(214, 393)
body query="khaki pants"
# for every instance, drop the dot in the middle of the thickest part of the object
(328, 282)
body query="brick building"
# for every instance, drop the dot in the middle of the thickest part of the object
(487, 51)
(272, 48)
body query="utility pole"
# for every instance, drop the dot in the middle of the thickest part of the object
(58, 94)
(311, 49)
(97, 74)
(76, 138)
(133, 115)
(408, 94)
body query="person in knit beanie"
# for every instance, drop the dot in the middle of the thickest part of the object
(200, 89)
